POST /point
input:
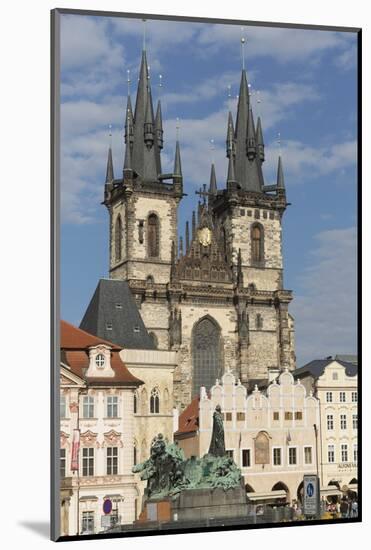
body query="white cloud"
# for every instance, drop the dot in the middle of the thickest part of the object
(325, 309)
(304, 162)
(279, 43)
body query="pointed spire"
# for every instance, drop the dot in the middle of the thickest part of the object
(144, 160)
(148, 124)
(109, 171)
(212, 186)
(158, 126)
(250, 140)
(260, 141)
(280, 178)
(193, 224)
(231, 178)
(129, 123)
(177, 161)
(230, 136)
(187, 237)
(128, 169)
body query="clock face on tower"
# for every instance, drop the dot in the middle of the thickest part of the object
(204, 236)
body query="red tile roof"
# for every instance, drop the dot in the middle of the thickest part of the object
(188, 420)
(75, 344)
(75, 338)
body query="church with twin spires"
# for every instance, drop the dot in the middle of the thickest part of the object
(215, 295)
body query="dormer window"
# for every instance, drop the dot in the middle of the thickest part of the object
(136, 328)
(100, 360)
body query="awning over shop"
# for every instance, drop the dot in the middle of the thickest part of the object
(269, 495)
(353, 487)
(331, 491)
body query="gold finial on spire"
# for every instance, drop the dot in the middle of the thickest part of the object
(144, 33)
(128, 80)
(177, 128)
(243, 41)
(110, 134)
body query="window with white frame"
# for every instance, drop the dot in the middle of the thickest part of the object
(335, 376)
(100, 360)
(344, 452)
(277, 456)
(62, 407)
(355, 421)
(308, 455)
(87, 522)
(355, 452)
(354, 397)
(330, 421)
(331, 453)
(88, 406)
(112, 406)
(343, 421)
(329, 396)
(293, 456)
(246, 458)
(88, 461)
(63, 462)
(342, 397)
(112, 460)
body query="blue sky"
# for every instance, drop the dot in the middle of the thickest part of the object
(307, 88)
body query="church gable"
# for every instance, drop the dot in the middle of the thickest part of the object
(204, 259)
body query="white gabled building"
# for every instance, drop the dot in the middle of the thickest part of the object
(272, 435)
(96, 403)
(335, 384)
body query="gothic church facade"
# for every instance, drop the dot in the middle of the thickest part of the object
(216, 296)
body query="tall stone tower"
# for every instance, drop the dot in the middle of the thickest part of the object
(217, 295)
(142, 204)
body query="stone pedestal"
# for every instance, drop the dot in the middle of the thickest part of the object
(202, 504)
(197, 505)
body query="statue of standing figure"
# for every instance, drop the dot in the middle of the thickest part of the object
(217, 445)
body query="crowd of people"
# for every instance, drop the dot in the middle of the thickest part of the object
(346, 508)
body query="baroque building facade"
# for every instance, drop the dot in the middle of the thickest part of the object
(334, 383)
(97, 435)
(217, 296)
(271, 434)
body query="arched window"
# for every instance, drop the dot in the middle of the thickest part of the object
(150, 281)
(153, 237)
(257, 243)
(206, 354)
(154, 402)
(135, 453)
(262, 448)
(118, 239)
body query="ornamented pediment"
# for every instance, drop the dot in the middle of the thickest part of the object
(88, 439)
(64, 437)
(112, 438)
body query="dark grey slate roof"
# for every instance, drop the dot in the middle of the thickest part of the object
(113, 305)
(317, 367)
(347, 358)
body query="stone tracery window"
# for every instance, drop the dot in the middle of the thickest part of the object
(206, 352)
(118, 238)
(154, 402)
(257, 243)
(153, 236)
